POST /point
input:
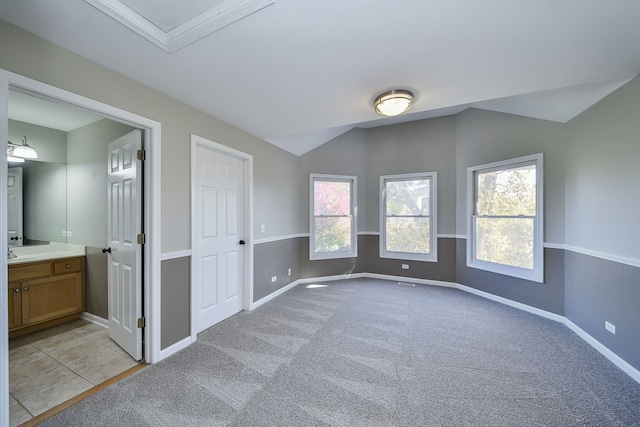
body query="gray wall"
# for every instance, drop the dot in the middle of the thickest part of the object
(422, 146)
(275, 259)
(602, 205)
(486, 136)
(275, 170)
(176, 279)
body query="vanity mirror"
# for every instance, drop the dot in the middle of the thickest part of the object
(37, 203)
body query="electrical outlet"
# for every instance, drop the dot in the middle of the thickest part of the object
(64, 233)
(262, 228)
(274, 278)
(610, 327)
(69, 234)
(289, 272)
(405, 266)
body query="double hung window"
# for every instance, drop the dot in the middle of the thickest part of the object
(333, 219)
(506, 217)
(408, 216)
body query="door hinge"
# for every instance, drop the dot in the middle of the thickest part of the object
(141, 155)
(142, 239)
(141, 322)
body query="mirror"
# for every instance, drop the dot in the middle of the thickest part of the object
(44, 202)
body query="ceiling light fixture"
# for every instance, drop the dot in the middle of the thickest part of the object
(24, 150)
(394, 102)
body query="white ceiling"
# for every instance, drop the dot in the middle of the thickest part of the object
(298, 73)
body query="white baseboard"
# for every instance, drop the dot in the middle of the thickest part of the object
(515, 304)
(174, 348)
(272, 295)
(617, 360)
(95, 319)
(614, 358)
(410, 280)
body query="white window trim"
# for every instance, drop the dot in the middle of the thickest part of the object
(433, 209)
(537, 273)
(313, 255)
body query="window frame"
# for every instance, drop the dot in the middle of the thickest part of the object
(432, 256)
(536, 274)
(353, 183)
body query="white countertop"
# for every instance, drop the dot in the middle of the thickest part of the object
(45, 252)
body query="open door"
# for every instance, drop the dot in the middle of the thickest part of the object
(125, 259)
(14, 207)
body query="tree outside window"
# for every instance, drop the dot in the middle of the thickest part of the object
(408, 216)
(506, 217)
(332, 219)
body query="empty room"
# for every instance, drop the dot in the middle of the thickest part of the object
(284, 212)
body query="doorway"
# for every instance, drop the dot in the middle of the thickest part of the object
(151, 248)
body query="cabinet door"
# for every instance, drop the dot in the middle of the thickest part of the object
(15, 294)
(52, 297)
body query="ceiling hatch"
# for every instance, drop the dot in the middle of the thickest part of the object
(172, 24)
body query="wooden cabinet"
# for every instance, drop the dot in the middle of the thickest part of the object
(46, 293)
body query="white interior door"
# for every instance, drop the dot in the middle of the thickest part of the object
(218, 224)
(14, 207)
(125, 260)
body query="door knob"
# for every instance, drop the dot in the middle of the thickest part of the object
(242, 242)
(104, 251)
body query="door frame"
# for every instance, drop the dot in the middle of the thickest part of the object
(247, 223)
(151, 267)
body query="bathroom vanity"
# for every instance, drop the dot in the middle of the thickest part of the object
(45, 289)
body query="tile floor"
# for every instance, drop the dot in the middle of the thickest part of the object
(51, 366)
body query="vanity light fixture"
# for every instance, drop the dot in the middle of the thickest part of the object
(394, 102)
(24, 150)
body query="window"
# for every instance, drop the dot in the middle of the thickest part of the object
(333, 225)
(506, 217)
(408, 216)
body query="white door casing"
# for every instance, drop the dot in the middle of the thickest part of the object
(219, 224)
(124, 224)
(14, 207)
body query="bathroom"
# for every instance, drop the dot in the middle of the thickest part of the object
(63, 216)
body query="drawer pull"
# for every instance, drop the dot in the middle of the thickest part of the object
(26, 289)
(68, 265)
(17, 289)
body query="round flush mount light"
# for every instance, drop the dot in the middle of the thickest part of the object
(394, 102)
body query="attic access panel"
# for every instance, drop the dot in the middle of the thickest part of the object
(173, 24)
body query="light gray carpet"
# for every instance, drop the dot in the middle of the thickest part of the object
(373, 353)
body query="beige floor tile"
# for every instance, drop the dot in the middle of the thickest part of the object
(89, 357)
(82, 351)
(15, 343)
(40, 383)
(23, 355)
(111, 345)
(12, 400)
(88, 330)
(100, 373)
(63, 340)
(32, 369)
(98, 335)
(41, 402)
(18, 415)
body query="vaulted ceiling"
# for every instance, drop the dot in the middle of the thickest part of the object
(298, 73)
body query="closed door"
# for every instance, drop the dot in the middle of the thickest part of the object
(218, 226)
(125, 258)
(14, 207)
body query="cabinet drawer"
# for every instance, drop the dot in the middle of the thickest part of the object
(29, 271)
(67, 266)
